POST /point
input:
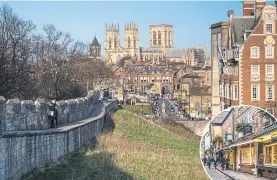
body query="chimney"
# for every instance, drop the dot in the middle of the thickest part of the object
(259, 6)
(230, 14)
(248, 7)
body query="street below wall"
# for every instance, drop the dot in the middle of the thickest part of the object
(218, 174)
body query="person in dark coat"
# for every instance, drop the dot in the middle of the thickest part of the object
(227, 162)
(209, 161)
(223, 162)
(205, 160)
(215, 162)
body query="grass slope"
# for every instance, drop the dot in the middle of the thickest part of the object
(137, 149)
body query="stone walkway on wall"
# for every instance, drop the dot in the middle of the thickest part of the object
(97, 112)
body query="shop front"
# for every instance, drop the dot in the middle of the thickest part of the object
(229, 153)
(243, 156)
(247, 159)
(267, 155)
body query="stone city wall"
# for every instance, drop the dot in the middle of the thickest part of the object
(22, 151)
(32, 115)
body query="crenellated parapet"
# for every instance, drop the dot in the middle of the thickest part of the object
(18, 115)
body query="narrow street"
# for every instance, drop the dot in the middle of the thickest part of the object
(218, 174)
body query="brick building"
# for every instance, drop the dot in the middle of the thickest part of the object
(246, 66)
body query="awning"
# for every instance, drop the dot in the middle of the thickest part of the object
(242, 143)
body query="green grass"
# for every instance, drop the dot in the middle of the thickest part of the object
(137, 108)
(137, 149)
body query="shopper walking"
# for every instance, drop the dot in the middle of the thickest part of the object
(223, 162)
(227, 162)
(215, 162)
(209, 161)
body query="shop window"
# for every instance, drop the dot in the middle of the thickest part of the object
(268, 155)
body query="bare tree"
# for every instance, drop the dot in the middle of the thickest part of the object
(94, 72)
(54, 53)
(15, 55)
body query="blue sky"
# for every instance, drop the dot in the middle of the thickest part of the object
(191, 20)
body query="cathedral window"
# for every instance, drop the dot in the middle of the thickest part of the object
(154, 38)
(165, 38)
(129, 42)
(115, 43)
(169, 36)
(110, 43)
(135, 43)
(159, 38)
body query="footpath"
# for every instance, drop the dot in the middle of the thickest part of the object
(218, 174)
(97, 112)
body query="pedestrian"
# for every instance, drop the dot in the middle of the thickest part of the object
(209, 161)
(227, 162)
(205, 160)
(215, 162)
(223, 162)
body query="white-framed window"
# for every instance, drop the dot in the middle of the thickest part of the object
(230, 91)
(224, 93)
(220, 90)
(255, 88)
(269, 51)
(269, 92)
(255, 52)
(268, 29)
(269, 69)
(255, 69)
(236, 92)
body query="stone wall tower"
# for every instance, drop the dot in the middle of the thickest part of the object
(161, 36)
(95, 49)
(112, 37)
(131, 39)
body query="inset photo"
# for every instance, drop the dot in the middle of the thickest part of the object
(240, 143)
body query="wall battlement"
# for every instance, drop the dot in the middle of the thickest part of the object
(25, 149)
(32, 115)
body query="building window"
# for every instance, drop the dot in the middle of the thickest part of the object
(169, 37)
(236, 91)
(255, 92)
(110, 43)
(269, 69)
(255, 52)
(159, 38)
(154, 38)
(129, 42)
(220, 90)
(268, 28)
(269, 92)
(269, 51)
(135, 46)
(224, 93)
(270, 154)
(230, 91)
(115, 43)
(255, 69)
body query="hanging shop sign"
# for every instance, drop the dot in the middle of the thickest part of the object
(247, 128)
(228, 137)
